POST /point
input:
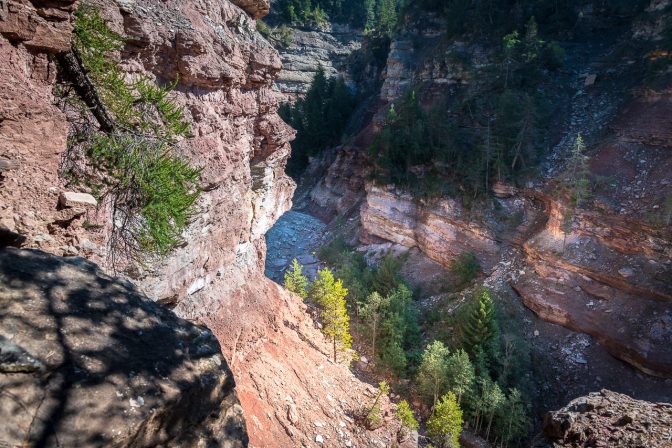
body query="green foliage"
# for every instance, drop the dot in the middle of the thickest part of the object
(445, 424)
(465, 268)
(295, 281)
(460, 373)
(374, 415)
(387, 276)
(375, 16)
(512, 419)
(319, 119)
(406, 416)
(577, 183)
(153, 189)
(480, 331)
(489, 132)
(433, 371)
(329, 295)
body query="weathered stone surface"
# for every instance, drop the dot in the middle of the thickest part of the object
(255, 8)
(85, 360)
(610, 420)
(313, 49)
(38, 24)
(442, 229)
(72, 199)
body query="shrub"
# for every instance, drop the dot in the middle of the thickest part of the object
(295, 281)
(465, 268)
(445, 424)
(406, 416)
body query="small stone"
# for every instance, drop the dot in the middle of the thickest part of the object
(292, 414)
(536, 333)
(590, 80)
(137, 402)
(319, 439)
(626, 272)
(72, 199)
(364, 360)
(318, 424)
(87, 245)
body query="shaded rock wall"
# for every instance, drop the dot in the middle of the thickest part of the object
(86, 360)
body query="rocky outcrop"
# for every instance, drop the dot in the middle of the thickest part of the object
(442, 228)
(312, 49)
(86, 360)
(608, 419)
(255, 8)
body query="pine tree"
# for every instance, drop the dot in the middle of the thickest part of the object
(577, 182)
(387, 276)
(295, 281)
(491, 402)
(373, 416)
(480, 328)
(460, 373)
(445, 424)
(433, 370)
(372, 312)
(330, 295)
(513, 419)
(321, 287)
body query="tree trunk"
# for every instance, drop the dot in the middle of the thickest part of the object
(74, 71)
(334, 349)
(375, 325)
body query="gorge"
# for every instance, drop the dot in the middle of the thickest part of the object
(203, 346)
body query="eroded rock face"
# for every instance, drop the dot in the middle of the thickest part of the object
(313, 49)
(442, 229)
(86, 360)
(608, 419)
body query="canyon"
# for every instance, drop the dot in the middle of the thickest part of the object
(289, 390)
(202, 348)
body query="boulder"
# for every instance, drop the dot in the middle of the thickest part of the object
(86, 360)
(608, 419)
(68, 199)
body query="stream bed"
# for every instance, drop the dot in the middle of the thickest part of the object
(295, 235)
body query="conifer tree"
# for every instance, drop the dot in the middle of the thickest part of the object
(433, 370)
(405, 414)
(295, 281)
(445, 424)
(330, 296)
(373, 416)
(513, 420)
(480, 327)
(577, 183)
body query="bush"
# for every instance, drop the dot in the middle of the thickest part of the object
(465, 268)
(153, 190)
